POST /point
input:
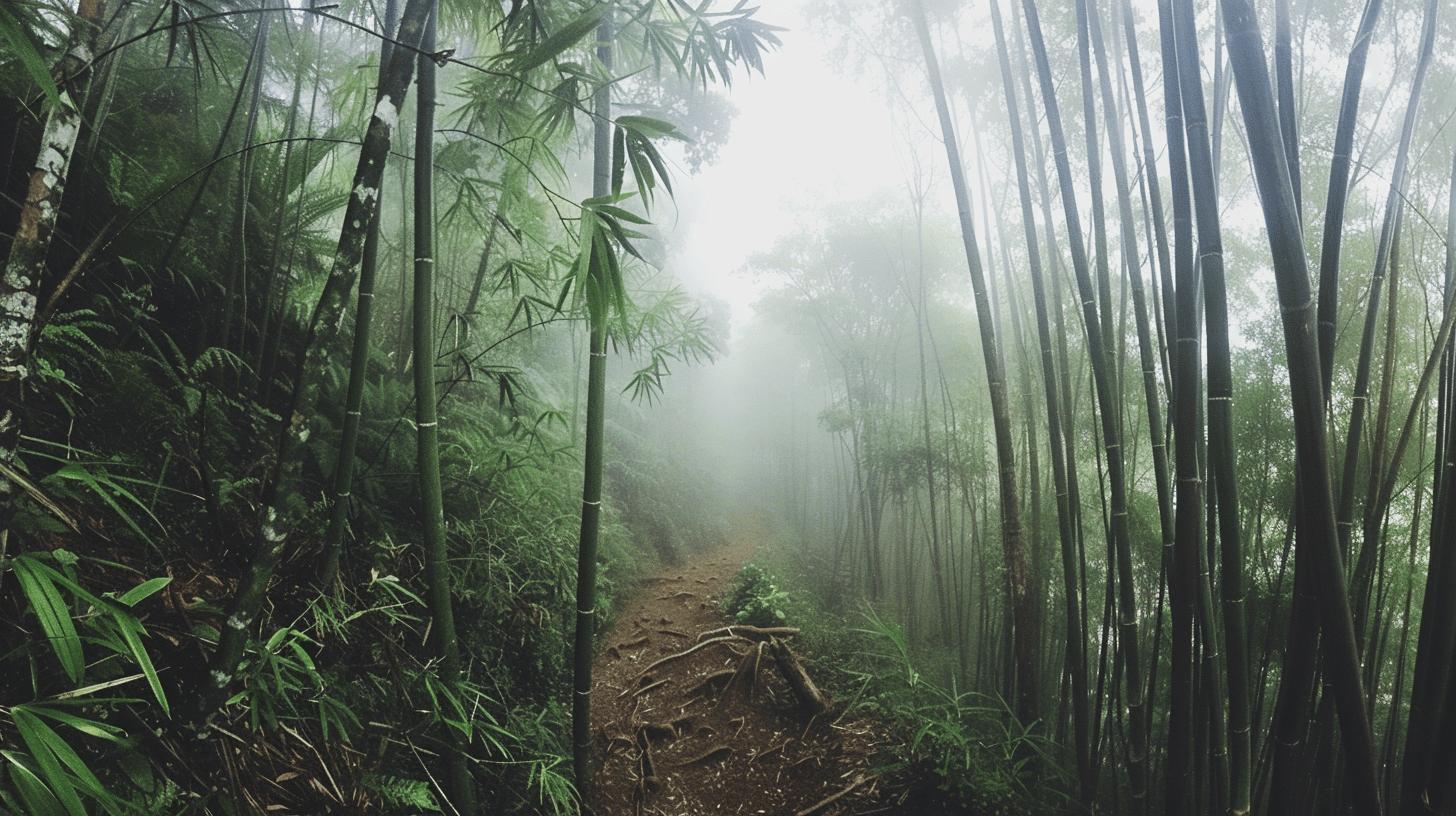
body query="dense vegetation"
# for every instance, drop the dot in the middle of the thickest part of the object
(1105, 464)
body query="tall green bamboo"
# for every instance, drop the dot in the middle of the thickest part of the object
(1221, 457)
(1319, 546)
(1360, 399)
(458, 786)
(1339, 189)
(282, 502)
(1076, 647)
(1023, 611)
(1187, 431)
(1107, 401)
(1429, 721)
(596, 394)
(343, 482)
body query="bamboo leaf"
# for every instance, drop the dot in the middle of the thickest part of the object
(561, 39)
(53, 614)
(37, 797)
(14, 35)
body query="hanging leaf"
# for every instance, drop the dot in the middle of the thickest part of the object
(561, 39)
(13, 34)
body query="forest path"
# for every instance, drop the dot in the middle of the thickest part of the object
(673, 742)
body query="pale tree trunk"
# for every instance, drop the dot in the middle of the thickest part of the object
(26, 264)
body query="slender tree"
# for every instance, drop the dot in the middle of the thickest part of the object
(458, 786)
(591, 493)
(1023, 612)
(282, 502)
(1360, 399)
(1319, 545)
(1221, 457)
(1076, 658)
(1339, 189)
(1188, 431)
(343, 482)
(1127, 616)
(26, 263)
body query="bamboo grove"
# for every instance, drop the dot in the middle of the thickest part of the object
(1102, 461)
(280, 269)
(1165, 472)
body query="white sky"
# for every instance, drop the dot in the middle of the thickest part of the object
(805, 135)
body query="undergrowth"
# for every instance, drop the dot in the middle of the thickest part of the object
(953, 749)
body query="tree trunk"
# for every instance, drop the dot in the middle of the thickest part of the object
(1319, 545)
(39, 212)
(283, 503)
(458, 786)
(1023, 611)
(343, 481)
(1076, 659)
(591, 493)
(1108, 412)
(1339, 190)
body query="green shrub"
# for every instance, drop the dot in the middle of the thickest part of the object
(755, 599)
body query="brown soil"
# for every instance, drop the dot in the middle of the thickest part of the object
(668, 745)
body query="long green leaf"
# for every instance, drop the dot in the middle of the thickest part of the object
(37, 797)
(54, 616)
(14, 35)
(131, 632)
(35, 734)
(562, 39)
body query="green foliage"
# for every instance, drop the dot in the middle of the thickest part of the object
(160, 380)
(755, 599)
(970, 743)
(49, 770)
(400, 795)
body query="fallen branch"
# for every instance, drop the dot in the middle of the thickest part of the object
(811, 700)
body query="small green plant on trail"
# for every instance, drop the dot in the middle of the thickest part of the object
(755, 599)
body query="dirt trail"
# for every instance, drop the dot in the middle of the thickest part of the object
(673, 742)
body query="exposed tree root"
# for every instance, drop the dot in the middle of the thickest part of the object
(765, 752)
(713, 754)
(712, 684)
(750, 632)
(819, 806)
(644, 689)
(701, 645)
(745, 679)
